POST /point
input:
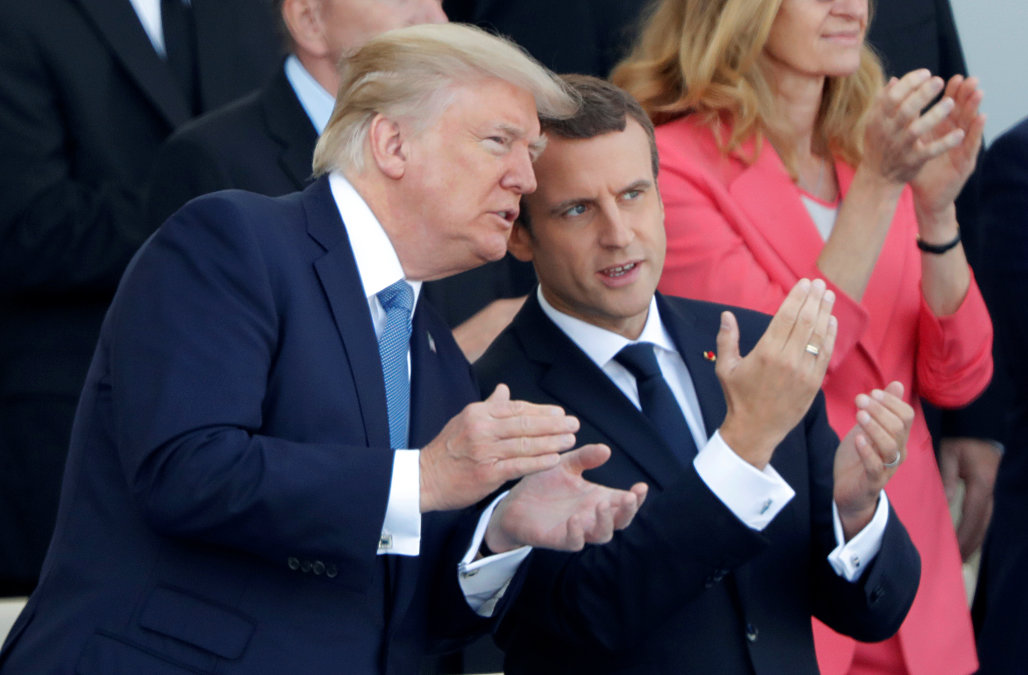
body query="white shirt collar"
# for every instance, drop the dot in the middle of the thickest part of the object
(600, 344)
(377, 262)
(317, 101)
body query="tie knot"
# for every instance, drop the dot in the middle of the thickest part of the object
(639, 359)
(397, 296)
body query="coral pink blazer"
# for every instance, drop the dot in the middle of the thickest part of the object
(738, 233)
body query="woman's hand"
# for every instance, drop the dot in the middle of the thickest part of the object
(941, 178)
(899, 139)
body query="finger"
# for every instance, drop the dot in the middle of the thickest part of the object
(949, 467)
(626, 512)
(526, 427)
(895, 388)
(574, 538)
(920, 97)
(829, 345)
(585, 458)
(926, 123)
(640, 490)
(882, 428)
(899, 90)
(499, 404)
(900, 408)
(874, 467)
(810, 313)
(602, 529)
(727, 344)
(782, 322)
(943, 144)
(974, 520)
(513, 468)
(819, 337)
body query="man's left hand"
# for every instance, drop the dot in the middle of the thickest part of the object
(974, 461)
(870, 454)
(559, 509)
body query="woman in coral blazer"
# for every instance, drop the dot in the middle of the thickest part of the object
(784, 155)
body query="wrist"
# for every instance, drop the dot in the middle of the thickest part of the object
(746, 444)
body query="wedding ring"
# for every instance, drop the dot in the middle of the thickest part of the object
(811, 349)
(894, 463)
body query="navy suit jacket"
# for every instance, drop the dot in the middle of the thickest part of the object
(230, 465)
(84, 103)
(1001, 599)
(687, 587)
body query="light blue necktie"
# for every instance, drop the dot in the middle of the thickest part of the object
(397, 300)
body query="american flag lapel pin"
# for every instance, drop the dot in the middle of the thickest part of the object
(710, 356)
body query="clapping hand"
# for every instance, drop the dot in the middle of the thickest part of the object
(769, 391)
(559, 509)
(870, 454)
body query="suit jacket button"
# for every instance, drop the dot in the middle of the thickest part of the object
(305, 566)
(318, 567)
(330, 571)
(293, 563)
(751, 632)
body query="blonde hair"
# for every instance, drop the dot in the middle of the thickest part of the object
(706, 57)
(410, 74)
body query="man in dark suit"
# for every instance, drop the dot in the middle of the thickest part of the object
(264, 142)
(735, 548)
(240, 496)
(1001, 600)
(85, 100)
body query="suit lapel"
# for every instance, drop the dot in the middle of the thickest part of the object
(693, 343)
(337, 271)
(119, 26)
(288, 124)
(767, 196)
(586, 391)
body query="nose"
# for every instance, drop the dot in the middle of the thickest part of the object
(520, 176)
(853, 8)
(616, 230)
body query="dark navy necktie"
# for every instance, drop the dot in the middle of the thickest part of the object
(397, 301)
(180, 47)
(656, 399)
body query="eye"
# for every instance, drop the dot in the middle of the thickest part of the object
(574, 211)
(630, 195)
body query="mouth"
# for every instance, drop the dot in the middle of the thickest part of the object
(510, 215)
(617, 271)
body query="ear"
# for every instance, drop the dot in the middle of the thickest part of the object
(304, 22)
(520, 242)
(388, 147)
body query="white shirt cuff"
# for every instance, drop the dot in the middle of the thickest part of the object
(754, 496)
(401, 531)
(850, 558)
(485, 581)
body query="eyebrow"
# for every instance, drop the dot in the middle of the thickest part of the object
(560, 207)
(535, 148)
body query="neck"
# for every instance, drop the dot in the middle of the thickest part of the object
(322, 69)
(797, 101)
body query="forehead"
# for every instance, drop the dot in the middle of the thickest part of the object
(584, 167)
(489, 104)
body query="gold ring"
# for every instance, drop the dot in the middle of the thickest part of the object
(811, 349)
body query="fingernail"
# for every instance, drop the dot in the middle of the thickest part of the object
(862, 400)
(829, 296)
(819, 284)
(878, 394)
(863, 417)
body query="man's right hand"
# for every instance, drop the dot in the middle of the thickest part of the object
(488, 444)
(768, 392)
